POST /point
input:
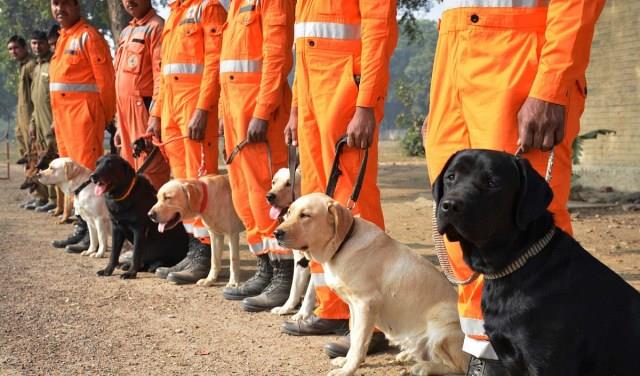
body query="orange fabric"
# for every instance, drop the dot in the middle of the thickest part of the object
(257, 43)
(82, 57)
(137, 79)
(327, 95)
(482, 74)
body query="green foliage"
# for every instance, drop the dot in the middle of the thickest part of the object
(592, 135)
(411, 119)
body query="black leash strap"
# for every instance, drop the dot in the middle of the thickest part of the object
(147, 161)
(81, 187)
(293, 163)
(234, 152)
(336, 172)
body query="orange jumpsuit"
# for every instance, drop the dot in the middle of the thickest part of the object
(82, 92)
(489, 59)
(343, 49)
(137, 81)
(191, 43)
(255, 61)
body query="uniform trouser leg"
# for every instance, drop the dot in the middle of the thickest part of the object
(132, 117)
(474, 104)
(252, 169)
(22, 137)
(187, 156)
(80, 125)
(327, 94)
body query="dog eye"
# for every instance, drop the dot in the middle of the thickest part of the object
(288, 184)
(491, 183)
(304, 215)
(451, 177)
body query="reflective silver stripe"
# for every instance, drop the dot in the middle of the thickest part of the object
(200, 232)
(479, 348)
(83, 39)
(188, 227)
(318, 279)
(225, 4)
(472, 326)
(327, 30)
(452, 4)
(182, 69)
(256, 248)
(85, 88)
(245, 66)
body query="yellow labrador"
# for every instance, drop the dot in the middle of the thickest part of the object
(279, 197)
(208, 198)
(385, 284)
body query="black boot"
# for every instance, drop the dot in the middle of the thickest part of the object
(78, 234)
(80, 246)
(277, 293)
(198, 267)
(254, 285)
(485, 367)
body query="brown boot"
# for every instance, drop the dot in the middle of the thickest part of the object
(315, 326)
(340, 348)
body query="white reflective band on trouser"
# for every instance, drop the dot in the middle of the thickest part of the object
(200, 232)
(242, 66)
(473, 327)
(452, 4)
(256, 248)
(85, 88)
(327, 30)
(182, 69)
(318, 279)
(188, 227)
(479, 348)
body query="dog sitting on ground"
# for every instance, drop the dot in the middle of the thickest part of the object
(280, 197)
(63, 202)
(385, 284)
(550, 308)
(36, 189)
(208, 198)
(70, 176)
(129, 198)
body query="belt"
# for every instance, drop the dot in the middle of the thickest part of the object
(85, 88)
(327, 30)
(452, 4)
(240, 66)
(182, 68)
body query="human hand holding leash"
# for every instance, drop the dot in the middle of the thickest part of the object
(361, 127)
(540, 125)
(291, 130)
(198, 124)
(257, 131)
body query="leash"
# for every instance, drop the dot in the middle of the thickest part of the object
(202, 170)
(236, 150)
(292, 162)
(336, 172)
(81, 187)
(441, 250)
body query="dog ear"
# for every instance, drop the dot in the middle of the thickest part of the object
(437, 190)
(534, 195)
(194, 196)
(342, 221)
(70, 170)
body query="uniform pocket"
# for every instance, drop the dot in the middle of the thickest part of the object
(133, 57)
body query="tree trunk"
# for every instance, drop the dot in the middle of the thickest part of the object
(118, 18)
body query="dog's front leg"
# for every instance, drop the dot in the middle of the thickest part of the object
(363, 318)
(216, 260)
(102, 226)
(117, 237)
(93, 237)
(309, 301)
(234, 260)
(136, 262)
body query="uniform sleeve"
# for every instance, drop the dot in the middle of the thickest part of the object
(565, 53)
(294, 90)
(102, 66)
(158, 93)
(212, 19)
(277, 18)
(155, 49)
(378, 18)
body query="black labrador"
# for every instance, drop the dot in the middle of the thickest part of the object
(559, 312)
(129, 198)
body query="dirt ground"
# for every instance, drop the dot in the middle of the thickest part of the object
(58, 318)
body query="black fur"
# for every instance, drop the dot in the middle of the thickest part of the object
(564, 313)
(151, 249)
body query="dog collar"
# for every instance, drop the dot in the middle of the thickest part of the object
(128, 192)
(81, 187)
(520, 261)
(349, 233)
(205, 196)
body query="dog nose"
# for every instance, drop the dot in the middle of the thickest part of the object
(279, 234)
(271, 197)
(451, 206)
(153, 216)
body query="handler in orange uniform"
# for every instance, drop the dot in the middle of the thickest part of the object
(137, 83)
(508, 74)
(256, 59)
(343, 49)
(81, 85)
(188, 105)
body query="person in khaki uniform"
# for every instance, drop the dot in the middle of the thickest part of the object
(40, 134)
(17, 47)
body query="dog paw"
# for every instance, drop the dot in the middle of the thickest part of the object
(281, 310)
(105, 272)
(98, 255)
(84, 253)
(404, 357)
(339, 361)
(339, 372)
(300, 316)
(232, 284)
(128, 275)
(420, 369)
(206, 282)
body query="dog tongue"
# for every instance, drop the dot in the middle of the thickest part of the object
(99, 189)
(161, 227)
(274, 212)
